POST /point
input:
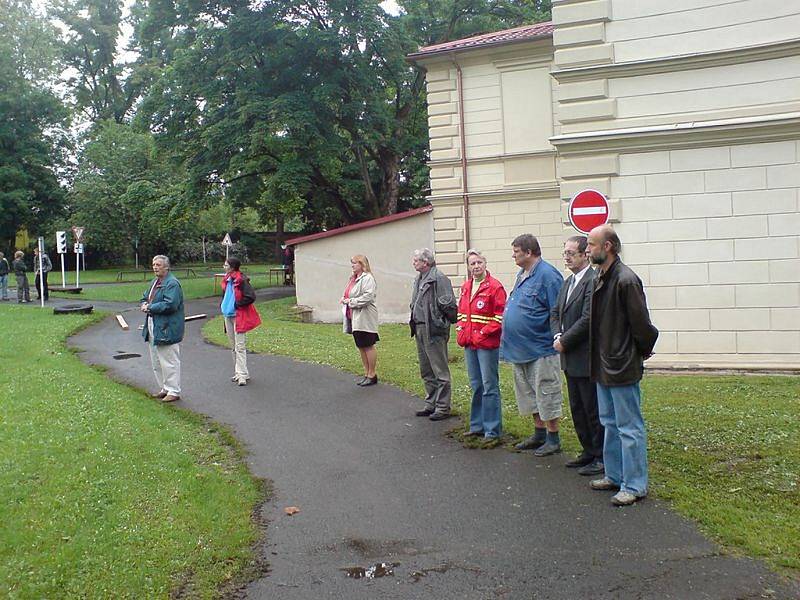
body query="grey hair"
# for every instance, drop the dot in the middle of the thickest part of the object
(475, 252)
(425, 255)
(162, 258)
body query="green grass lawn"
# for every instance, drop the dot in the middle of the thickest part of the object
(109, 274)
(724, 450)
(105, 492)
(193, 288)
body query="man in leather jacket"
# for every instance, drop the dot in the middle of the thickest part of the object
(621, 339)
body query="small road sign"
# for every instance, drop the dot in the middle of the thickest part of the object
(226, 241)
(77, 232)
(587, 210)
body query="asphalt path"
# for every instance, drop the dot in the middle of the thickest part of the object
(376, 485)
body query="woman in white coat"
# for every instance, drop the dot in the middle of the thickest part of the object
(361, 315)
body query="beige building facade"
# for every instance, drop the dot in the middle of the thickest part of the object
(686, 115)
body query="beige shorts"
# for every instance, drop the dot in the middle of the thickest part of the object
(537, 386)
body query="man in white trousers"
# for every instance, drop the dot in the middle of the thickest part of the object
(162, 304)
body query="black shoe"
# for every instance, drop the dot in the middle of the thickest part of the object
(530, 444)
(361, 380)
(473, 434)
(581, 460)
(439, 416)
(547, 449)
(369, 381)
(595, 467)
(424, 413)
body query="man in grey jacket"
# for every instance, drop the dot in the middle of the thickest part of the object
(41, 276)
(433, 310)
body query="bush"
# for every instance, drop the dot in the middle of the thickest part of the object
(192, 251)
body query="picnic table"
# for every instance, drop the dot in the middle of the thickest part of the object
(282, 274)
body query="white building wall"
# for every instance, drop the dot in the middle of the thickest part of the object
(648, 29)
(322, 267)
(713, 232)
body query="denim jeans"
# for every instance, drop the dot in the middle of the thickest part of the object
(625, 443)
(483, 378)
(4, 287)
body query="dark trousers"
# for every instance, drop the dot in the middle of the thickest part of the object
(583, 405)
(39, 287)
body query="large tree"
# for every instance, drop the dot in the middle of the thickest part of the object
(305, 105)
(31, 122)
(126, 194)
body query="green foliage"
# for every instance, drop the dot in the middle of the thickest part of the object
(107, 494)
(200, 287)
(31, 117)
(297, 112)
(125, 192)
(305, 108)
(723, 450)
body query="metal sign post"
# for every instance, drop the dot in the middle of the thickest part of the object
(78, 248)
(228, 243)
(41, 269)
(78, 233)
(61, 247)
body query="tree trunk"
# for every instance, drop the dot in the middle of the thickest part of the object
(390, 181)
(279, 236)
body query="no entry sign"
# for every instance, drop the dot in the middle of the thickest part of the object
(587, 210)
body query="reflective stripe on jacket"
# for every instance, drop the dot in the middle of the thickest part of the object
(480, 317)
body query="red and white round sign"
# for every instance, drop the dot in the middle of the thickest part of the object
(587, 210)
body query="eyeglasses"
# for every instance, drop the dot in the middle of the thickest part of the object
(569, 253)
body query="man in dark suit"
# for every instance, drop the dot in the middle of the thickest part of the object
(569, 322)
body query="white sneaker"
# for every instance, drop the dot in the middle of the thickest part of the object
(624, 499)
(242, 381)
(603, 484)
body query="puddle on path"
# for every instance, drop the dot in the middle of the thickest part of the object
(380, 569)
(126, 355)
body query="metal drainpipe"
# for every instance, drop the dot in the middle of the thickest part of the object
(464, 185)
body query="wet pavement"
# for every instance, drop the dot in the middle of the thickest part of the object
(389, 507)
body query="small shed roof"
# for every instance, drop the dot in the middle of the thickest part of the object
(363, 225)
(524, 33)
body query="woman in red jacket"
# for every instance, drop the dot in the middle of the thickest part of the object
(240, 315)
(480, 321)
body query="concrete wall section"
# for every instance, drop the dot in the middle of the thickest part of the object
(648, 29)
(323, 266)
(713, 232)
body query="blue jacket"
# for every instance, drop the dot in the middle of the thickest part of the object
(166, 310)
(526, 320)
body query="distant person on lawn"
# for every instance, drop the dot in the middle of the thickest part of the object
(21, 273)
(5, 269)
(361, 316)
(41, 277)
(621, 339)
(240, 315)
(163, 328)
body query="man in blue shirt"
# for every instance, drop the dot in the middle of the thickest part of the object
(527, 344)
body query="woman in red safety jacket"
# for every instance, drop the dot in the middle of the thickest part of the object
(240, 315)
(480, 321)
